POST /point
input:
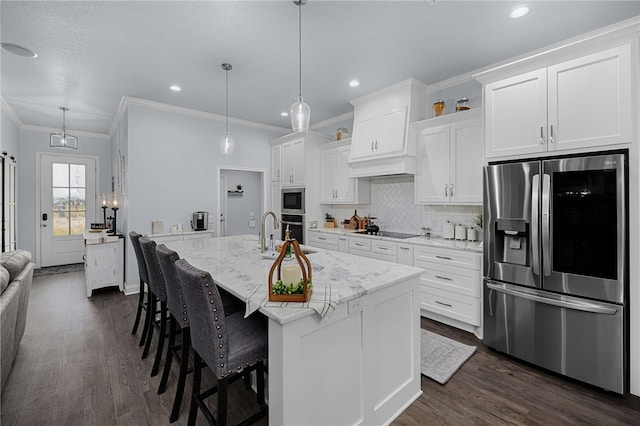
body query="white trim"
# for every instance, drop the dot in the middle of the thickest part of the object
(328, 122)
(11, 113)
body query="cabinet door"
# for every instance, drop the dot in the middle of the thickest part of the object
(590, 100)
(328, 162)
(391, 132)
(432, 168)
(344, 183)
(405, 254)
(276, 162)
(516, 115)
(364, 137)
(343, 244)
(293, 163)
(465, 173)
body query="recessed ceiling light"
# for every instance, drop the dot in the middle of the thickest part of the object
(16, 49)
(354, 83)
(519, 12)
(175, 88)
(284, 114)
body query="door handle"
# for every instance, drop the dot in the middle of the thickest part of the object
(546, 246)
(541, 135)
(551, 133)
(44, 216)
(535, 224)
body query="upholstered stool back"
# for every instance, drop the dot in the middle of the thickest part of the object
(156, 279)
(175, 297)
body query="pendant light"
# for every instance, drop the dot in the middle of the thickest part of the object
(226, 141)
(62, 139)
(300, 112)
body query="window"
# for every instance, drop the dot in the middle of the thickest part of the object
(69, 199)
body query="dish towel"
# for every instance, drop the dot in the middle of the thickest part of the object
(324, 300)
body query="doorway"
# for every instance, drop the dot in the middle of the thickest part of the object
(241, 200)
(66, 204)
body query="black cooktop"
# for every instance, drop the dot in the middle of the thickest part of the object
(398, 235)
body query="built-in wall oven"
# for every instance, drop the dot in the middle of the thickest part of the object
(556, 265)
(293, 201)
(295, 222)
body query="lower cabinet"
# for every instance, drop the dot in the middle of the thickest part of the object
(323, 240)
(450, 288)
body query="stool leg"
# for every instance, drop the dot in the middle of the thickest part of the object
(151, 313)
(139, 310)
(195, 390)
(184, 366)
(161, 337)
(169, 357)
(222, 402)
(147, 321)
(260, 383)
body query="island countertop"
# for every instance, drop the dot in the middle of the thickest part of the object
(236, 265)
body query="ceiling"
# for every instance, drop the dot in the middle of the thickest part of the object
(92, 53)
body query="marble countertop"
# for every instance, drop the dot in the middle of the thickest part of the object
(236, 264)
(474, 246)
(189, 232)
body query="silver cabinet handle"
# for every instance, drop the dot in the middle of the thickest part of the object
(358, 244)
(403, 248)
(444, 278)
(551, 133)
(446, 190)
(382, 248)
(443, 257)
(444, 304)
(451, 191)
(546, 246)
(371, 146)
(541, 135)
(535, 217)
(376, 144)
(322, 238)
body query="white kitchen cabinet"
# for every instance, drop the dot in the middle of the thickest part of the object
(343, 244)
(405, 254)
(322, 240)
(103, 263)
(450, 286)
(581, 103)
(276, 162)
(375, 249)
(293, 163)
(381, 143)
(449, 159)
(336, 184)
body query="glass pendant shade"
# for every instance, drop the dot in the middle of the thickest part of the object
(62, 139)
(300, 115)
(226, 143)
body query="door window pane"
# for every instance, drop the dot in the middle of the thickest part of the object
(69, 199)
(584, 223)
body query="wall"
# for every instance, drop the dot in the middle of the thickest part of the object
(393, 203)
(171, 162)
(241, 206)
(10, 137)
(32, 142)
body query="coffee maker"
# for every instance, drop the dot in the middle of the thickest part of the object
(200, 221)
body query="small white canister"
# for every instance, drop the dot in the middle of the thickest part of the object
(157, 227)
(448, 231)
(460, 233)
(472, 234)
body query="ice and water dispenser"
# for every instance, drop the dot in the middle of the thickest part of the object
(511, 252)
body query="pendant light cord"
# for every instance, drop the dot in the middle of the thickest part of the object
(227, 103)
(300, 48)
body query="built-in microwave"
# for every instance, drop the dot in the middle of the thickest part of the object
(293, 201)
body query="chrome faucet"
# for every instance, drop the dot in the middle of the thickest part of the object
(263, 238)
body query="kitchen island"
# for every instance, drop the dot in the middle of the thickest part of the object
(360, 365)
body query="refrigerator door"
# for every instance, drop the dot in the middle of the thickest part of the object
(579, 338)
(583, 224)
(511, 217)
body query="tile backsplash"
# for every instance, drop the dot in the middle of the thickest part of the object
(393, 203)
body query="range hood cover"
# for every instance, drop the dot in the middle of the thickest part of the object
(390, 165)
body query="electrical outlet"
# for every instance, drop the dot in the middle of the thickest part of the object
(354, 305)
(252, 223)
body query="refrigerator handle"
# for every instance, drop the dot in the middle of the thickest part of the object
(546, 246)
(578, 305)
(535, 224)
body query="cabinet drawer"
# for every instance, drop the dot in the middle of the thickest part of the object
(452, 305)
(359, 244)
(384, 247)
(325, 241)
(458, 280)
(457, 258)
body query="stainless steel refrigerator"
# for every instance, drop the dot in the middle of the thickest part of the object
(556, 265)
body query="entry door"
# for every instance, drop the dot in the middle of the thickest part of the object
(222, 231)
(67, 207)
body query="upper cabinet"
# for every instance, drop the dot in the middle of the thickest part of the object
(276, 162)
(581, 103)
(336, 184)
(293, 163)
(381, 143)
(449, 159)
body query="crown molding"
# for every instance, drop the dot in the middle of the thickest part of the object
(337, 119)
(11, 113)
(128, 101)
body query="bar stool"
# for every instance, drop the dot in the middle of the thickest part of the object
(178, 318)
(158, 294)
(144, 279)
(230, 345)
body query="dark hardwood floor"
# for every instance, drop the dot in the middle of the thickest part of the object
(78, 364)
